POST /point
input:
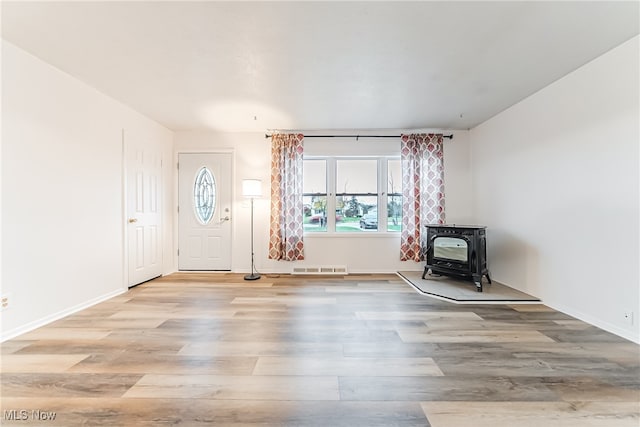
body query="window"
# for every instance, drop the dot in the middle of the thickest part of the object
(356, 194)
(357, 189)
(204, 195)
(394, 195)
(314, 198)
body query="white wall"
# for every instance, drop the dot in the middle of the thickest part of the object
(371, 253)
(556, 181)
(62, 204)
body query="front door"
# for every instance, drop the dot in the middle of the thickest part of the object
(204, 211)
(144, 213)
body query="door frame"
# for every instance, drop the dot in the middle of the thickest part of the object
(125, 212)
(176, 199)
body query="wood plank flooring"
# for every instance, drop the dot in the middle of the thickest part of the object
(360, 350)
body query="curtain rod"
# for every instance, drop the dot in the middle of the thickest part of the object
(356, 136)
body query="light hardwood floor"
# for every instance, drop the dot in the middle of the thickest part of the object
(213, 349)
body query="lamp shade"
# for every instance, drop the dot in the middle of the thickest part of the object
(252, 188)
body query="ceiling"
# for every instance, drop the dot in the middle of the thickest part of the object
(253, 66)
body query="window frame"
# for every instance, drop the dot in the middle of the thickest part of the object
(332, 194)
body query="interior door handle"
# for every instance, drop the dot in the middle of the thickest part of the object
(226, 218)
(132, 220)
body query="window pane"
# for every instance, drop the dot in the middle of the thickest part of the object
(394, 213)
(204, 196)
(314, 186)
(314, 179)
(357, 176)
(356, 213)
(315, 208)
(394, 198)
(394, 176)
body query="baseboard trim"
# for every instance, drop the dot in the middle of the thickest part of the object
(598, 323)
(592, 320)
(57, 316)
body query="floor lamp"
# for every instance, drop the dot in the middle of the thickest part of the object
(252, 188)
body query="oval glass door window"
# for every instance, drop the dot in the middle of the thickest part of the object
(204, 195)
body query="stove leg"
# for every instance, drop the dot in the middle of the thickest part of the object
(477, 279)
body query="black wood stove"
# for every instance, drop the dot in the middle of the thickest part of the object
(457, 250)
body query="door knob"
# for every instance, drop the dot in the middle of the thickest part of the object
(132, 220)
(226, 218)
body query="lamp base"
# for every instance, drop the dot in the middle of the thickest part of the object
(252, 276)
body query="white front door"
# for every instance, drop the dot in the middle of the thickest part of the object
(204, 211)
(144, 219)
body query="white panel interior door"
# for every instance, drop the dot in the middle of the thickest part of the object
(204, 215)
(144, 219)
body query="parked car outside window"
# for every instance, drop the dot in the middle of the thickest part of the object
(369, 220)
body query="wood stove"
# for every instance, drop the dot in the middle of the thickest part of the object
(457, 250)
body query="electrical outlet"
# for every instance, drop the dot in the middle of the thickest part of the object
(4, 302)
(628, 316)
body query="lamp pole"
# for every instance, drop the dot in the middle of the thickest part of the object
(252, 276)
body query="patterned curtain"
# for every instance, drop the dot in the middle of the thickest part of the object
(285, 233)
(422, 191)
